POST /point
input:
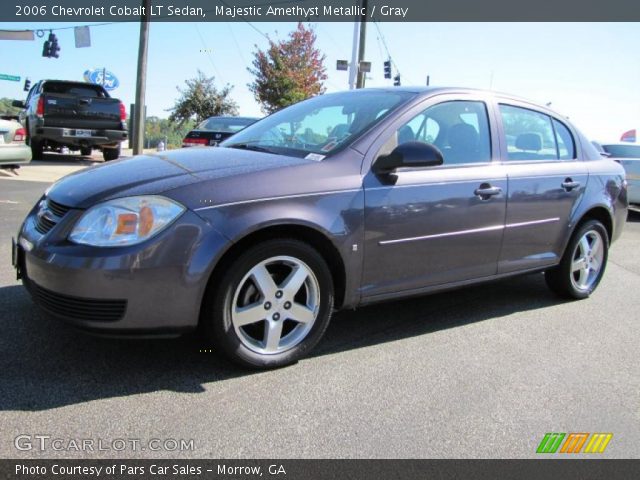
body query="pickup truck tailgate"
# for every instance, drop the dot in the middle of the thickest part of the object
(72, 111)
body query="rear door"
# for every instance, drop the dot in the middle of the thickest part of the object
(546, 183)
(432, 226)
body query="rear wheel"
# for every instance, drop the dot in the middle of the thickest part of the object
(86, 151)
(583, 263)
(272, 305)
(111, 153)
(37, 149)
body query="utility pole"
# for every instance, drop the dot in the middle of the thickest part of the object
(353, 66)
(361, 46)
(141, 82)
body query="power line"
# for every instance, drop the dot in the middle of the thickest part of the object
(386, 47)
(208, 53)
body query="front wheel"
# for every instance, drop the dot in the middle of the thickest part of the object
(583, 262)
(271, 306)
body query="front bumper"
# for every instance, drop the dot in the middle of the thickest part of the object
(155, 287)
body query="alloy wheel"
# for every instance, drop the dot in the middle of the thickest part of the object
(275, 305)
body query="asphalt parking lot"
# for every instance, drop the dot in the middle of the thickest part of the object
(478, 373)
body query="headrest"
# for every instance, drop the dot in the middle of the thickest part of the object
(463, 135)
(529, 141)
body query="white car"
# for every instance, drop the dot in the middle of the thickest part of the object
(628, 155)
(13, 149)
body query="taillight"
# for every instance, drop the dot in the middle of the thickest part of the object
(123, 112)
(195, 141)
(20, 135)
(40, 107)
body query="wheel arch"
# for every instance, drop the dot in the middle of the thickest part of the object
(302, 232)
(599, 213)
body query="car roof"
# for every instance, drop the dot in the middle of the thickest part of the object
(424, 91)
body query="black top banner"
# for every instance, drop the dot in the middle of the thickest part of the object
(317, 10)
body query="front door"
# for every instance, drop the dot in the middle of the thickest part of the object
(438, 225)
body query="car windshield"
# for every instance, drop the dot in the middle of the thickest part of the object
(225, 124)
(321, 125)
(623, 151)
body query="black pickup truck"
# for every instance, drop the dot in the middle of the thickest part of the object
(78, 115)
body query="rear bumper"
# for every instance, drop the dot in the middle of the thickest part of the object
(67, 136)
(14, 154)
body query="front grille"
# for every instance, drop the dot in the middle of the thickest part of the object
(49, 214)
(57, 209)
(76, 308)
(43, 225)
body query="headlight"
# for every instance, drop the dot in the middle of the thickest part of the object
(125, 221)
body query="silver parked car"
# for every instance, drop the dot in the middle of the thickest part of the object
(341, 200)
(627, 155)
(13, 149)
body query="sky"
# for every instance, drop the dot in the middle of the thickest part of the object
(589, 72)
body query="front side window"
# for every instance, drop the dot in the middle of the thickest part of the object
(321, 125)
(532, 135)
(460, 129)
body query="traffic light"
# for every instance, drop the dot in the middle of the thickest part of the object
(46, 49)
(51, 48)
(387, 69)
(396, 81)
(54, 48)
(27, 85)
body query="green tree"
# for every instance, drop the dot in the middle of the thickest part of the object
(161, 129)
(201, 100)
(288, 71)
(6, 108)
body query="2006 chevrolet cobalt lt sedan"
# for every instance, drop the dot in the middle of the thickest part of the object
(338, 201)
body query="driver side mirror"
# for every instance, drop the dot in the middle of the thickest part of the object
(17, 104)
(411, 155)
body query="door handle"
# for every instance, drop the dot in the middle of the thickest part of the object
(569, 184)
(486, 191)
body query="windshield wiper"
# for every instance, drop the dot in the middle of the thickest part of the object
(250, 146)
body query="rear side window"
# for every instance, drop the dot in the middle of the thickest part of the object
(532, 135)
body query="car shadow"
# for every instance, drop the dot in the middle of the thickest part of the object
(633, 216)
(70, 159)
(45, 364)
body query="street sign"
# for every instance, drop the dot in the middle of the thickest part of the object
(342, 65)
(11, 78)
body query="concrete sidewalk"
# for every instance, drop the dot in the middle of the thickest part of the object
(55, 166)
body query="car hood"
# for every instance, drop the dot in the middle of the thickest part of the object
(158, 173)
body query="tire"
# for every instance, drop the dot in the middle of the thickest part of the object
(86, 151)
(37, 149)
(111, 153)
(583, 263)
(263, 336)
